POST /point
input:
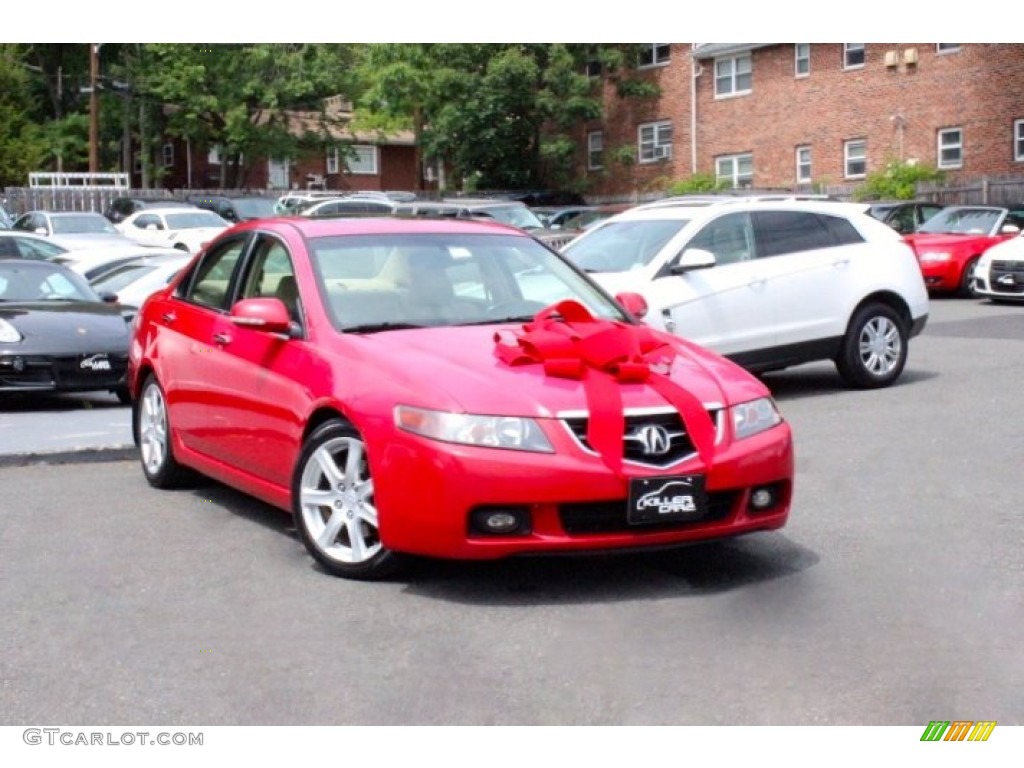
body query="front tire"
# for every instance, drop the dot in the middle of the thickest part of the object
(967, 279)
(154, 438)
(332, 502)
(874, 349)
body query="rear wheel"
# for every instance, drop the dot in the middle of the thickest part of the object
(967, 279)
(154, 438)
(874, 349)
(332, 501)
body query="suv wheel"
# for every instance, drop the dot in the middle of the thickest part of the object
(874, 348)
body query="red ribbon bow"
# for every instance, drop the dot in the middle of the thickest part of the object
(572, 344)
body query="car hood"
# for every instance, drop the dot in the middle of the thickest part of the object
(85, 241)
(924, 241)
(455, 368)
(60, 326)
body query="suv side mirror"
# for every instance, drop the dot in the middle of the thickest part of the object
(693, 258)
(1010, 229)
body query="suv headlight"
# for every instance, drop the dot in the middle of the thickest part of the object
(8, 333)
(754, 417)
(513, 432)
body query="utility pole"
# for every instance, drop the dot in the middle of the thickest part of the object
(94, 108)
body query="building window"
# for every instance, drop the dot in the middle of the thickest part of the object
(654, 55)
(595, 150)
(362, 160)
(168, 154)
(655, 142)
(736, 170)
(332, 160)
(213, 156)
(733, 75)
(802, 57)
(803, 165)
(1018, 140)
(853, 55)
(947, 47)
(951, 147)
(855, 158)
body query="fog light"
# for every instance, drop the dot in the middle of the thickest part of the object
(500, 521)
(762, 498)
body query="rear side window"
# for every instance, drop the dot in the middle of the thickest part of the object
(781, 232)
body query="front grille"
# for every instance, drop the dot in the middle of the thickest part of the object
(667, 423)
(18, 371)
(1006, 276)
(610, 516)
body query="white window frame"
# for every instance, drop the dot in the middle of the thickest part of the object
(595, 150)
(168, 154)
(942, 48)
(801, 56)
(655, 61)
(654, 142)
(853, 48)
(803, 164)
(727, 168)
(213, 156)
(952, 140)
(332, 161)
(855, 151)
(733, 75)
(364, 160)
(1018, 141)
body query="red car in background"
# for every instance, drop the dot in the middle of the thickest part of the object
(408, 387)
(949, 245)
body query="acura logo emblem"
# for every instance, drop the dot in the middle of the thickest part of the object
(654, 439)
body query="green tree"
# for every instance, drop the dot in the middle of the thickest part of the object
(21, 146)
(237, 96)
(898, 181)
(495, 115)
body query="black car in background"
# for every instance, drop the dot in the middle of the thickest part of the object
(236, 209)
(57, 334)
(905, 216)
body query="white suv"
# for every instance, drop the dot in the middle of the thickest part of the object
(769, 284)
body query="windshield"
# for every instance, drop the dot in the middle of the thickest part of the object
(377, 282)
(36, 281)
(963, 221)
(82, 224)
(194, 220)
(623, 245)
(514, 215)
(255, 208)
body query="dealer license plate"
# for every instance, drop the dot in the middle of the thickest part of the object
(667, 499)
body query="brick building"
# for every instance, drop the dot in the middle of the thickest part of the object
(809, 115)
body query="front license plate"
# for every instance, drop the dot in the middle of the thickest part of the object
(669, 499)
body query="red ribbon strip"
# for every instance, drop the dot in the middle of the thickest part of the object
(572, 344)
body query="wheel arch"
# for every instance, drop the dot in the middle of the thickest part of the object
(889, 298)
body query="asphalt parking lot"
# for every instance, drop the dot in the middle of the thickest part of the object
(893, 597)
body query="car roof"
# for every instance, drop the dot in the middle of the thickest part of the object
(380, 225)
(705, 211)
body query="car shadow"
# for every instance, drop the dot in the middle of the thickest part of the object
(16, 402)
(822, 380)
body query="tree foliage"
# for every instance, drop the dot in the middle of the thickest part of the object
(898, 181)
(21, 145)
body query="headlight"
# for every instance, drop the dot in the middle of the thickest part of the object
(8, 333)
(490, 431)
(754, 417)
(936, 256)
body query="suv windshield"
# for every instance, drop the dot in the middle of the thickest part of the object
(622, 245)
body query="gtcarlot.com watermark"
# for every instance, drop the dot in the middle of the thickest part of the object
(70, 738)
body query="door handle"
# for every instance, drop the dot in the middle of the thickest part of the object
(222, 338)
(754, 282)
(168, 317)
(840, 262)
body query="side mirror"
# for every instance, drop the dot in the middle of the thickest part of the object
(108, 298)
(633, 303)
(693, 258)
(151, 227)
(40, 231)
(1010, 229)
(263, 314)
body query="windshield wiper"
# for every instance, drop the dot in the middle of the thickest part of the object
(374, 327)
(500, 320)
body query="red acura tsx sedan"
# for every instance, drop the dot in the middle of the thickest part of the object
(445, 388)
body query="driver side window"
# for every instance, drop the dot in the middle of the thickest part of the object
(212, 279)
